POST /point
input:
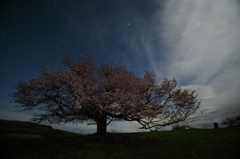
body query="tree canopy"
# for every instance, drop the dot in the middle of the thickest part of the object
(84, 91)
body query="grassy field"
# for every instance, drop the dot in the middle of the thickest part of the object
(23, 140)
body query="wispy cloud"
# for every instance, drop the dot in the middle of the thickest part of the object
(202, 50)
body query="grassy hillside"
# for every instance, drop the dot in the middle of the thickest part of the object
(23, 129)
(27, 140)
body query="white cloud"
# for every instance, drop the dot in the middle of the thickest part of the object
(205, 56)
(203, 92)
(202, 41)
(202, 50)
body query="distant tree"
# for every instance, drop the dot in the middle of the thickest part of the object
(180, 127)
(234, 121)
(83, 91)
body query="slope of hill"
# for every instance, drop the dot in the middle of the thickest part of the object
(15, 129)
(26, 140)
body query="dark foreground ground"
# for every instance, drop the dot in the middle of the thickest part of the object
(31, 141)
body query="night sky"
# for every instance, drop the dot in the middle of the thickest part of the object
(197, 42)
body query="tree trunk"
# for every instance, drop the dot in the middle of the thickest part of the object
(102, 125)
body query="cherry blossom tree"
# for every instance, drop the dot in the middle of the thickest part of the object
(83, 91)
